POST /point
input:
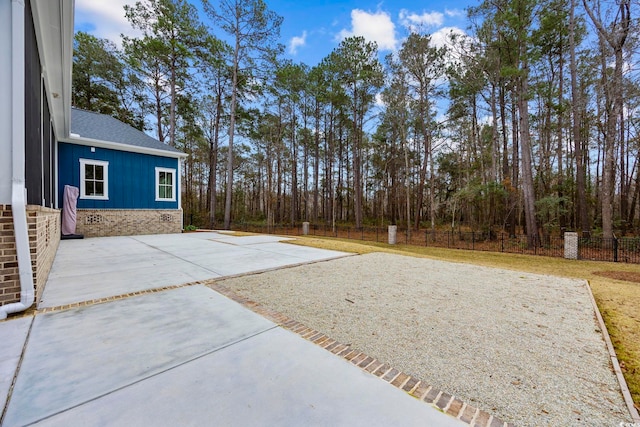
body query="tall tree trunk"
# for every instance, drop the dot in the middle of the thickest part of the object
(293, 216)
(525, 145)
(213, 163)
(576, 117)
(158, 99)
(172, 104)
(406, 180)
(559, 137)
(615, 38)
(357, 167)
(316, 163)
(232, 129)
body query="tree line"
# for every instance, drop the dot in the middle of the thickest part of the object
(529, 123)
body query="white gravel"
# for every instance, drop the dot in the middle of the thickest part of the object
(524, 347)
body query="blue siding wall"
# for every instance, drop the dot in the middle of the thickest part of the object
(132, 177)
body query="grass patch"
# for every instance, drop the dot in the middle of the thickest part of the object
(614, 287)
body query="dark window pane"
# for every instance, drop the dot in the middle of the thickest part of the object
(169, 192)
(99, 172)
(88, 188)
(99, 188)
(88, 172)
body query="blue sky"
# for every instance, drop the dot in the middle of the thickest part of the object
(312, 29)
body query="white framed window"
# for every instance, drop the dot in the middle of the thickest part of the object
(165, 185)
(94, 179)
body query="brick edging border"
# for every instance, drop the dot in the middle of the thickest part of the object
(415, 387)
(626, 394)
(113, 298)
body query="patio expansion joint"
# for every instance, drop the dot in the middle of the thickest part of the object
(103, 300)
(408, 383)
(177, 257)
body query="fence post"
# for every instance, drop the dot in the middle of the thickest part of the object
(502, 242)
(305, 228)
(615, 249)
(571, 245)
(473, 240)
(393, 231)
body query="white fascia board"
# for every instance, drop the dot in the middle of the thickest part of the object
(123, 147)
(54, 32)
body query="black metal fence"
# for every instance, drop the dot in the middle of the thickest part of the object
(622, 249)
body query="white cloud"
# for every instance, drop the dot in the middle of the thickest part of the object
(107, 17)
(296, 42)
(442, 37)
(376, 27)
(414, 22)
(455, 13)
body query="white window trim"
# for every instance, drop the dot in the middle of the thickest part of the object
(105, 165)
(173, 184)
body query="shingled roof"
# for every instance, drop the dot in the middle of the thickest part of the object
(88, 124)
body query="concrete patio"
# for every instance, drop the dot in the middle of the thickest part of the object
(182, 356)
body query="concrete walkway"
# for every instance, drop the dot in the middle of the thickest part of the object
(97, 268)
(184, 356)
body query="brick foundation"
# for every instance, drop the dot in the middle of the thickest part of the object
(9, 277)
(44, 237)
(127, 222)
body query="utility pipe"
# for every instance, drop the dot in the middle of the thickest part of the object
(18, 189)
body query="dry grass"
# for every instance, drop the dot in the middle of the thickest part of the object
(614, 286)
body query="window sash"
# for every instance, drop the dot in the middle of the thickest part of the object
(165, 185)
(94, 179)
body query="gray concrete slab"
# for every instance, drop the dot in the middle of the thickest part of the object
(13, 334)
(96, 268)
(118, 279)
(78, 355)
(256, 383)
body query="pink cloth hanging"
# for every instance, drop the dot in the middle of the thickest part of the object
(69, 202)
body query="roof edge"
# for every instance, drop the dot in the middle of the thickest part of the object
(123, 147)
(54, 27)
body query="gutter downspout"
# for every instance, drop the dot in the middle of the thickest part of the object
(18, 189)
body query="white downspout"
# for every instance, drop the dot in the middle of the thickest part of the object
(18, 190)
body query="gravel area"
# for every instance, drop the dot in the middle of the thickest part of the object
(524, 347)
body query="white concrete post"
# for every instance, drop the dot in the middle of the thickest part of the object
(571, 245)
(305, 228)
(393, 231)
